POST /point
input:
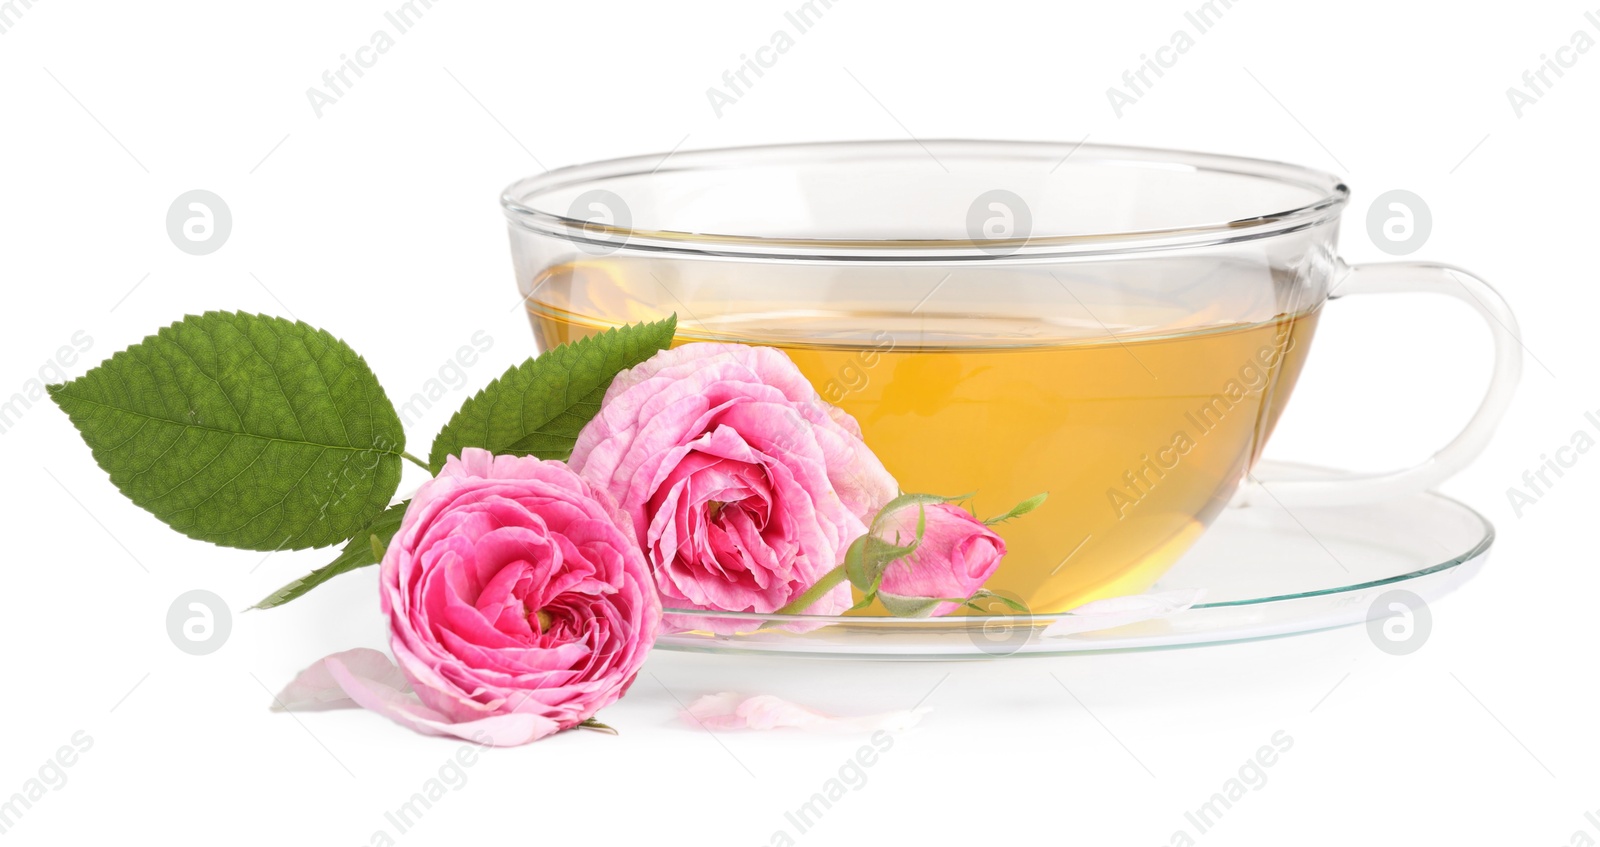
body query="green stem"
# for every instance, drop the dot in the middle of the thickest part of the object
(415, 461)
(814, 593)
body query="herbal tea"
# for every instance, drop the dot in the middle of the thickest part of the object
(1139, 439)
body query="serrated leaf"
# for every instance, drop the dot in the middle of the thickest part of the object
(366, 548)
(243, 430)
(538, 407)
(1020, 509)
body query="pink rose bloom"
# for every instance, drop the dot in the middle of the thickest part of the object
(514, 588)
(957, 556)
(743, 485)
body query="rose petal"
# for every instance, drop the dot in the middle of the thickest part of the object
(742, 485)
(370, 680)
(1120, 611)
(315, 687)
(518, 603)
(729, 710)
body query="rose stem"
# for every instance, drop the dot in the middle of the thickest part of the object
(814, 593)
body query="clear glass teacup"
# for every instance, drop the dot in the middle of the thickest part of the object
(1119, 327)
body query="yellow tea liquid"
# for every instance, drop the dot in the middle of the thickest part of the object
(1139, 441)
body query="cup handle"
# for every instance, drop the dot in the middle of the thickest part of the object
(1413, 277)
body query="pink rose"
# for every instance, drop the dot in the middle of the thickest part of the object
(742, 484)
(514, 588)
(957, 556)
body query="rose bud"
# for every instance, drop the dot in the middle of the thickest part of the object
(956, 556)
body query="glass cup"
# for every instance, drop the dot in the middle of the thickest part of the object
(1120, 327)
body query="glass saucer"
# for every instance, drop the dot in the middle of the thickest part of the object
(1266, 571)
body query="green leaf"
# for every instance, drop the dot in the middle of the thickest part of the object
(537, 408)
(243, 430)
(1020, 509)
(985, 594)
(910, 607)
(366, 548)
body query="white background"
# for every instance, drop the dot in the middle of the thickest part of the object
(379, 221)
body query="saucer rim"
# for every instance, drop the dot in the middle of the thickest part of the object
(1477, 551)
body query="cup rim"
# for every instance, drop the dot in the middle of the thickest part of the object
(516, 201)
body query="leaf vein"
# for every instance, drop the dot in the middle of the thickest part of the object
(356, 448)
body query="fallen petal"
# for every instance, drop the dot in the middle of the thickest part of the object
(729, 710)
(316, 688)
(1113, 612)
(507, 730)
(370, 680)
